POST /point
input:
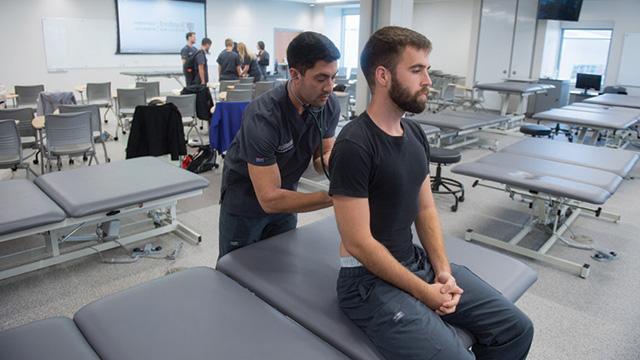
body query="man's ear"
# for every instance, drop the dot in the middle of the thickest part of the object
(294, 74)
(382, 76)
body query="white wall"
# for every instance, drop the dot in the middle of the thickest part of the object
(23, 56)
(448, 24)
(249, 21)
(332, 24)
(623, 14)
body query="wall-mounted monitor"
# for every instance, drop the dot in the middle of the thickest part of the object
(158, 26)
(565, 10)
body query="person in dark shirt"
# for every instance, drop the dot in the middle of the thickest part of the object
(263, 59)
(187, 51)
(229, 62)
(404, 298)
(248, 63)
(281, 132)
(201, 67)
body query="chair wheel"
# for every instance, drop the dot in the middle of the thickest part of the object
(84, 158)
(124, 132)
(70, 161)
(454, 208)
(35, 161)
(108, 160)
(461, 198)
(201, 127)
(106, 121)
(216, 166)
(115, 138)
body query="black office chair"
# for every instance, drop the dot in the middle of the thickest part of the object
(440, 156)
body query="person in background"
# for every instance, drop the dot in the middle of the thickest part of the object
(187, 51)
(248, 63)
(228, 63)
(201, 68)
(263, 59)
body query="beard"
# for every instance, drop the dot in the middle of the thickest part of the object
(405, 100)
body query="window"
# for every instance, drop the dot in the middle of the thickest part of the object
(350, 35)
(583, 51)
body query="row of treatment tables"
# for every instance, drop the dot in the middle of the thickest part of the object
(272, 300)
(453, 129)
(558, 181)
(612, 117)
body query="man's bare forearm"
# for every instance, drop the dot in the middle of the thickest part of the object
(201, 74)
(317, 162)
(430, 234)
(288, 201)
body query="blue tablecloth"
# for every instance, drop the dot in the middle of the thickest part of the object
(225, 123)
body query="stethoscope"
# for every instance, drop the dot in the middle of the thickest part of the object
(317, 113)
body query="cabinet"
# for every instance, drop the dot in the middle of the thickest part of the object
(579, 96)
(505, 43)
(554, 98)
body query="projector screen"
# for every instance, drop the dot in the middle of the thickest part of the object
(158, 26)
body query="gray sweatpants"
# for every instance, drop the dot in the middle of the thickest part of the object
(402, 327)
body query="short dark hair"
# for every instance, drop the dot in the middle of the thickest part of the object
(385, 47)
(189, 34)
(261, 45)
(206, 41)
(308, 48)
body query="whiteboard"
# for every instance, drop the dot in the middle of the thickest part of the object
(75, 43)
(629, 74)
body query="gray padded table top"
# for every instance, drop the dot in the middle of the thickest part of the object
(458, 120)
(606, 109)
(541, 167)
(429, 130)
(25, 206)
(612, 120)
(616, 100)
(296, 272)
(197, 313)
(106, 187)
(524, 175)
(156, 73)
(52, 339)
(617, 161)
(514, 87)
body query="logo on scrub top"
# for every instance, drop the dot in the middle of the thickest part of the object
(259, 159)
(286, 146)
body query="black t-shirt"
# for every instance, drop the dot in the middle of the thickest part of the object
(187, 51)
(254, 72)
(389, 170)
(272, 132)
(228, 61)
(263, 58)
(200, 59)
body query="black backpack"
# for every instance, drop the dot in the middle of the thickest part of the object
(203, 161)
(190, 68)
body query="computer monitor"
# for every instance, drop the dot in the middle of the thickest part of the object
(588, 81)
(565, 10)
